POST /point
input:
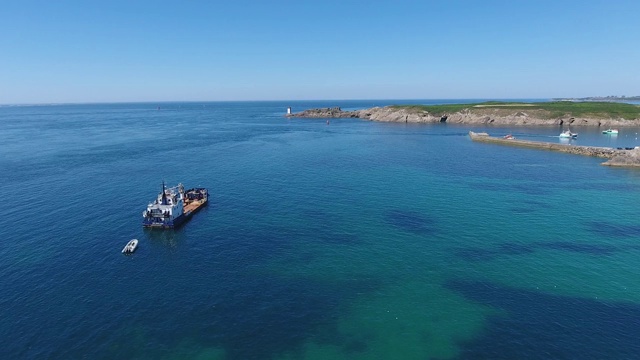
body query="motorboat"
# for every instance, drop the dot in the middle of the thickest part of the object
(508, 137)
(610, 132)
(568, 135)
(130, 247)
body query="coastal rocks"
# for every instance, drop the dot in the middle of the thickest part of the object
(501, 118)
(472, 116)
(387, 113)
(334, 112)
(391, 114)
(626, 158)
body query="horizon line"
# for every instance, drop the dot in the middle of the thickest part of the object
(239, 101)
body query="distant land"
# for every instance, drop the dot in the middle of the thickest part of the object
(602, 98)
(559, 113)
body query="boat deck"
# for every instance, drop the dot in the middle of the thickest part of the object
(194, 206)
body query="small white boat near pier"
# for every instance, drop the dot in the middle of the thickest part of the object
(568, 135)
(130, 247)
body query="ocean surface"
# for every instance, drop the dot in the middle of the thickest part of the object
(347, 240)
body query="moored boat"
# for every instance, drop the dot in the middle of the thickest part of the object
(173, 206)
(610, 132)
(568, 135)
(131, 246)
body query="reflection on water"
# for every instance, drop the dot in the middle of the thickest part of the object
(169, 238)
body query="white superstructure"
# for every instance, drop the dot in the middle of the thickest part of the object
(167, 209)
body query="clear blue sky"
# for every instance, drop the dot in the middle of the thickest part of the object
(110, 51)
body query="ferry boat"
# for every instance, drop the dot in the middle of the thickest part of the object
(173, 206)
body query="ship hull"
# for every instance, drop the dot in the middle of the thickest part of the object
(166, 224)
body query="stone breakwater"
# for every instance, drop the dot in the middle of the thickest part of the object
(476, 115)
(617, 157)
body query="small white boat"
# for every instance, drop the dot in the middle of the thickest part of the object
(130, 247)
(611, 132)
(568, 135)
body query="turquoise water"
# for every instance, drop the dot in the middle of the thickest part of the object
(354, 240)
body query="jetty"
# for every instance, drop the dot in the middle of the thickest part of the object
(617, 157)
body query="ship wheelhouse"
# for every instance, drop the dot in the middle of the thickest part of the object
(167, 210)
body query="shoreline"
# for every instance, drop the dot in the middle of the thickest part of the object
(500, 114)
(503, 114)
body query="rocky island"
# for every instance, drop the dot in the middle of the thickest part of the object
(559, 113)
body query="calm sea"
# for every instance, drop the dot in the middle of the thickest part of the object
(348, 240)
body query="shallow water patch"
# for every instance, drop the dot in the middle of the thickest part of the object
(583, 248)
(244, 317)
(537, 325)
(411, 221)
(410, 320)
(511, 248)
(610, 229)
(523, 210)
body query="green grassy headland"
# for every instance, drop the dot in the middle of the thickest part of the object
(553, 109)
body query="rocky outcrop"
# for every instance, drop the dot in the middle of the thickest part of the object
(334, 112)
(628, 158)
(473, 116)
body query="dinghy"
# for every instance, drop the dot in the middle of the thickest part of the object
(130, 247)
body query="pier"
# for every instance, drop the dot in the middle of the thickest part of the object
(601, 152)
(617, 157)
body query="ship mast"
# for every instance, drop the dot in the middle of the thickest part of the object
(164, 196)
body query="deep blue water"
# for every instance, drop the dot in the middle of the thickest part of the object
(351, 240)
